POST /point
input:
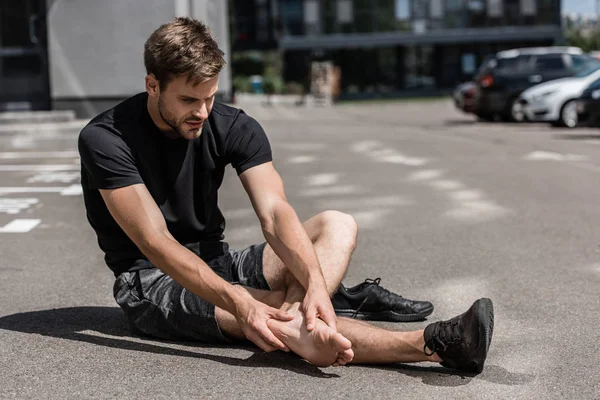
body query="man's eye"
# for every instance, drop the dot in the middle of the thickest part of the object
(188, 101)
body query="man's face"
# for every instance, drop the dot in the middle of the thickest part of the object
(185, 107)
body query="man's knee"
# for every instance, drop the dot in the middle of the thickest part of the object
(341, 226)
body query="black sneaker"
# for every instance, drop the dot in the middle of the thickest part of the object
(463, 342)
(369, 301)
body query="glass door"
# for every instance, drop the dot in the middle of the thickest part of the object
(24, 82)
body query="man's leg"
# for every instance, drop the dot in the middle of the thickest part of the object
(333, 234)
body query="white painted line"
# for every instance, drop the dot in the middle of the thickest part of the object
(20, 226)
(322, 179)
(362, 203)
(466, 195)
(11, 155)
(370, 219)
(477, 210)
(404, 160)
(328, 191)
(40, 167)
(15, 206)
(52, 177)
(301, 159)
(425, 175)
(15, 190)
(446, 184)
(365, 146)
(73, 190)
(548, 155)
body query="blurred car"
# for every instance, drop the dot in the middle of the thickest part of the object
(464, 97)
(504, 76)
(588, 105)
(556, 101)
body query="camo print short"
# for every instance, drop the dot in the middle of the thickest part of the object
(157, 306)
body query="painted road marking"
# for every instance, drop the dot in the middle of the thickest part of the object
(15, 206)
(12, 155)
(52, 177)
(328, 191)
(40, 167)
(379, 153)
(548, 155)
(322, 179)
(301, 159)
(20, 226)
(425, 174)
(64, 191)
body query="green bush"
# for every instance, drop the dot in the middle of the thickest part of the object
(242, 84)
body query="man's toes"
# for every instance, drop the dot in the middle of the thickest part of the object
(340, 361)
(347, 356)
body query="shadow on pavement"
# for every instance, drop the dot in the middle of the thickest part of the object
(74, 323)
(460, 122)
(440, 376)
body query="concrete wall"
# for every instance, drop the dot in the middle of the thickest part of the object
(96, 47)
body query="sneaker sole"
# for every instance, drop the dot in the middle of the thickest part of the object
(391, 316)
(485, 316)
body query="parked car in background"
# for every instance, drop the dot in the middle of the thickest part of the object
(556, 101)
(588, 105)
(505, 75)
(464, 97)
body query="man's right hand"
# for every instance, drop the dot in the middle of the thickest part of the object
(252, 315)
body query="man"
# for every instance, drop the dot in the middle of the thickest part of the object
(151, 168)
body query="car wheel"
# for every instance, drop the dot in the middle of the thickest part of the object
(568, 114)
(517, 113)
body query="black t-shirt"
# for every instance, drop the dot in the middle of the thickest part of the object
(123, 147)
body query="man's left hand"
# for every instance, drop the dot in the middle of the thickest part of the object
(317, 304)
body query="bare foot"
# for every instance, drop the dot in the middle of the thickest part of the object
(323, 346)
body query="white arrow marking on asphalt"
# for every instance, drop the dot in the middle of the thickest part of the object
(548, 155)
(72, 190)
(41, 167)
(11, 155)
(20, 226)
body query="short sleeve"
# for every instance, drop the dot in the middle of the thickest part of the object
(107, 159)
(247, 144)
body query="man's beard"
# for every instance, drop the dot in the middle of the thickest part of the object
(170, 119)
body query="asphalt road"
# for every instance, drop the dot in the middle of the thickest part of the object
(449, 210)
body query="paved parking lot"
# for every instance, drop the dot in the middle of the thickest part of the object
(449, 210)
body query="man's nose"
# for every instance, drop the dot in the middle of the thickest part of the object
(202, 112)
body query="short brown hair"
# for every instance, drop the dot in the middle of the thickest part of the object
(184, 46)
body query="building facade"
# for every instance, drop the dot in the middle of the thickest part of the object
(87, 55)
(386, 47)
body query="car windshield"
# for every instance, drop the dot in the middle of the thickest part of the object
(588, 70)
(595, 85)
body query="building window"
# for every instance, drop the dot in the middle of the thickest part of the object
(344, 11)
(495, 8)
(402, 10)
(436, 9)
(311, 17)
(528, 7)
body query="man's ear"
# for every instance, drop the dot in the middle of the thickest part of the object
(152, 86)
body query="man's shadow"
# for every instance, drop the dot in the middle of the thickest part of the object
(106, 326)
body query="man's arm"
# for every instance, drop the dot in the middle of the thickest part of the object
(138, 215)
(286, 235)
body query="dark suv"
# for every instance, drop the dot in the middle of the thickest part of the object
(503, 76)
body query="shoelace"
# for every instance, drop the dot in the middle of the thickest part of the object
(386, 296)
(443, 337)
